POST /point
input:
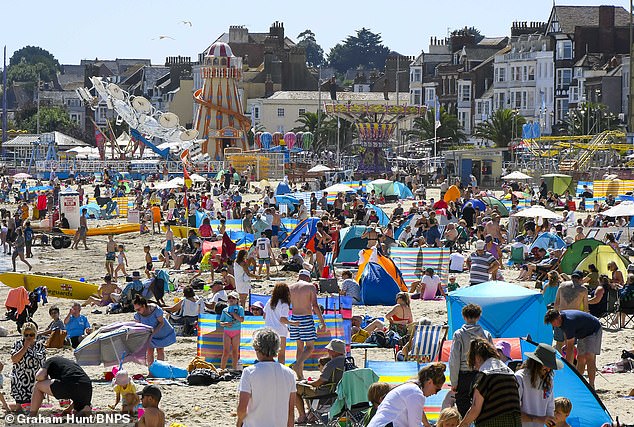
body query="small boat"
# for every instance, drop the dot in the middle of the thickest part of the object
(107, 229)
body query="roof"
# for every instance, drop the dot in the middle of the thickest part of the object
(570, 17)
(71, 77)
(493, 41)
(62, 140)
(480, 53)
(341, 96)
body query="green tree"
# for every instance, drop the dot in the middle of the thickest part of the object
(51, 119)
(503, 126)
(590, 118)
(308, 122)
(365, 48)
(26, 63)
(314, 52)
(449, 132)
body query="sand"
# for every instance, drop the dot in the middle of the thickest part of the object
(215, 405)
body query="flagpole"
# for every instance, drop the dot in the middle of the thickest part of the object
(4, 99)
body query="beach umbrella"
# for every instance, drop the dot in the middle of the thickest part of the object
(452, 194)
(166, 185)
(339, 188)
(21, 175)
(622, 209)
(492, 201)
(517, 175)
(286, 200)
(477, 204)
(319, 169)
(198, 178)
(537, 211)
(115, 344)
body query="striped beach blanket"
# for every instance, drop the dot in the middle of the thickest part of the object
(413, 261)
(210, 335)
(400, 372)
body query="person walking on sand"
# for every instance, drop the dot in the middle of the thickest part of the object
(18, 248)
(304, 303)
(169, 245)
(81, 231)
(111, 248)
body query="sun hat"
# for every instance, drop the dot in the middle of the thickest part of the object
(136, 274)
(546, 355)
(337, 345)
(505, 348)
(480, 245)
(233, 294)
(122, 378)
(258, 304)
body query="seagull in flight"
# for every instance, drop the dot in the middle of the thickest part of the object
(164, 37)
(187, 23)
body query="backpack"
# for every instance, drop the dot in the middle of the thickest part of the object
(202, 376)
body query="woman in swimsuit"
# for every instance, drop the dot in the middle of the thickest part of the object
(401, 314)
(322, 245)
(372, 235)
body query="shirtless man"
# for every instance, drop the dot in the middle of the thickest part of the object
(304, 302)
(571, 295)
(80, 235)
(228, 280)
(111, 249)
(493, 228)
(275, 228)
(104, 293)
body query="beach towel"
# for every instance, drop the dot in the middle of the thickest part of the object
(17, 298)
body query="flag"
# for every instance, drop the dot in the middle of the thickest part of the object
(187, 179)
(437, 109)
(185, 157)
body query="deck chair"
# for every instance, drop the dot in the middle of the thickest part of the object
(352, 397)
(319, 406)
(426, 343)
(610, 318)
(517, 255)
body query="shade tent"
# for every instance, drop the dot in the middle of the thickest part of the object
(477, 204)
(576, 253)
(379, 278)
(351, 243)
(402, 191)
(547, 241)
(282, 188)
(517, 175)
(306, 230)
(508, 310)
(600, 257)
(383, 218)
(286, 199)
(558, 183)
(410, 220)
(537, 211)
(381, 186)
(492, 201)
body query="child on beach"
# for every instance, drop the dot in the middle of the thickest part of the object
(125, 391)
(265, 253)
(563, 408)
(5, 406)
(56, 322)
(376, 394)
(449, 417)
(122, 262)
(452, 285)
(152, 415)
(111, 249)
(231, 320)
(148, 261)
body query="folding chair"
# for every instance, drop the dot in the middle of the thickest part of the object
(319, 406)
(426, 343)
(626, 312)
(352, 403)
(610, 318)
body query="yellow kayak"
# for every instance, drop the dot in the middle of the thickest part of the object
(57, 286)
(105, 230)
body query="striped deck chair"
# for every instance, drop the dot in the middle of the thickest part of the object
(399, 372)
(210, 335)
(426, 343)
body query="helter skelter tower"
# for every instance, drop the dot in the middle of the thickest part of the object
(220, 121)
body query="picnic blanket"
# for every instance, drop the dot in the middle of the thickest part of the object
(210, 335)
(413, 261)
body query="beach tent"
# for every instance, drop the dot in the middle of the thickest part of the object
(576, 253)
(381, 186)
(410, 220)
(452, 194)
(508, 310)
(379, 278)
(351, 243)
(286, 200)
(282, 188)
(477, 204)
(492, 201)
(383, 218)
(558, 183)
(600, 257)
(402, 191)
(307, 227)
(547, 241)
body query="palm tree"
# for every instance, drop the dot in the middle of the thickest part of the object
(307, 122)
(449, 131)
(503, 126)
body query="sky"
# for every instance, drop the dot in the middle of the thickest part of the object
(73, 30)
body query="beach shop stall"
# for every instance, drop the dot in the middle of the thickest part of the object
(483, 163)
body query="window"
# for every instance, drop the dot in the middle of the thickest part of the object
(564, 49)
(500, 74)
(256, 113)
(430, 96)
(416, 73)
(564, 77)
(465, 92)
(529, 71)
(573, 95)
(515, 73)
(562, 109)
(479, 109)
(415, 96)
(301, 111)
(280, 112)
(500, 100)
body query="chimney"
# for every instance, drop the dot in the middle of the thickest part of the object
(606, 29)
(268, 86)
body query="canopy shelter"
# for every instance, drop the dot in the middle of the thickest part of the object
(558, 183)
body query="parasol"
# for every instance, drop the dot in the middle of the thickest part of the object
(318, 169)
(517, 175)
(21, 175)
(537, 211)
(339, 188)
(115, 344)
(622, 209)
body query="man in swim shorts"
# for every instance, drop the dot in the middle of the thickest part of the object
(111, 249)
(304, 302)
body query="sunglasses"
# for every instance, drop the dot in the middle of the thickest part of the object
(31, 335)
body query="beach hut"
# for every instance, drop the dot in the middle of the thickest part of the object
(547, 241)
(508, 310)
(576, 253)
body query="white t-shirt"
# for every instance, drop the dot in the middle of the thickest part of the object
(431, 286)
(220, 296)
(243, 281)
(402, 406)
(272, 317)
(456, 262)
(270, 385)
(192, 308)
(264, 247)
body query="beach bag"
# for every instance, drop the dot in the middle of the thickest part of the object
(202, 376)
(198, 284)
(379, 338)
(56, 339)
(360, 337)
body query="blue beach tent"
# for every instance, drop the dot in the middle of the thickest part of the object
(308, 227)
(508, 310)
(402, 191)
(548, 241)
(351, 243)
(282, 188)
(378, 287)
(383, 218)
